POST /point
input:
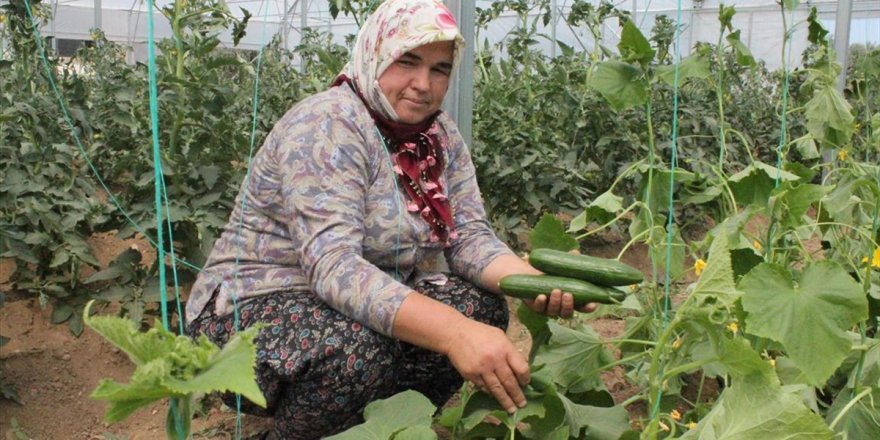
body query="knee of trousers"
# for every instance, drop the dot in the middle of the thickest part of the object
(361, 363)
(493, 311)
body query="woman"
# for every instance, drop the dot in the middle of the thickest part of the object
(337, 239)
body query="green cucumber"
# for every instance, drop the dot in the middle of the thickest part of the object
(530, 286)
(601, 271)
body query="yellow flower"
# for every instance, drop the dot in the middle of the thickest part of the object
(675, 415)
(690, 425)
(733, 327)
(875, 260)
(2, 18)
(757, 245)
(864, 260)
(633, 287)
(699, 265)
(676, 344)
(842, 154)
(664, 427)
(772, 362)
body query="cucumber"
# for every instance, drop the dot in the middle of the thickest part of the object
(530, 286)
(601, 271)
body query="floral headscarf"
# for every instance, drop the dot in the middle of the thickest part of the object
(397, 27)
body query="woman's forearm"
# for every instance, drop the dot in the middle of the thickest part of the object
(427, 323)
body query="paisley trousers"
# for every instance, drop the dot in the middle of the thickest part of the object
(318, 368)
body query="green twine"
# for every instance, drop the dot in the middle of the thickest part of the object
(243, 205)
(157, 162)
(671, 213)
(159, 186)
(786, 56)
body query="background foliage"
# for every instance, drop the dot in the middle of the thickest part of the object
(584, 136)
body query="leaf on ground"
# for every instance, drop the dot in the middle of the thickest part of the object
(809, 316)
(387, 417)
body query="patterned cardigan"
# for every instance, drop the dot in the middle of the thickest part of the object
(323, 214)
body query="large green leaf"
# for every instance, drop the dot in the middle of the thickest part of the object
(621, 84)
(843, 203)
(384, 418)
(144, 387)
(232, 370)
(602, 209)
(829, 117)
(601, 423)
(743, 54)
(560, 411)
(633, 46)
(755, 183)
(791, 202)
(808, 315)
(573, 357)
(693, 66)
(756, 407)
(550, 233)
(656, 182)
(171, 365)
(727, 354)
(141, 348)
(416, 433)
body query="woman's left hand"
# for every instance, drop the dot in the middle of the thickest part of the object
(558, 304)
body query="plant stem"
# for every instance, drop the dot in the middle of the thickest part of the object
(849, 406)
(621, 361)
(178, 73)
(719, 95)
(687, 367)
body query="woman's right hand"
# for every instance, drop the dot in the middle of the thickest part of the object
(485, 356)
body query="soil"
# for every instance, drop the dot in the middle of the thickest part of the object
(54, 372)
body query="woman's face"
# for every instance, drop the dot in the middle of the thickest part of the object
(416, 83)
